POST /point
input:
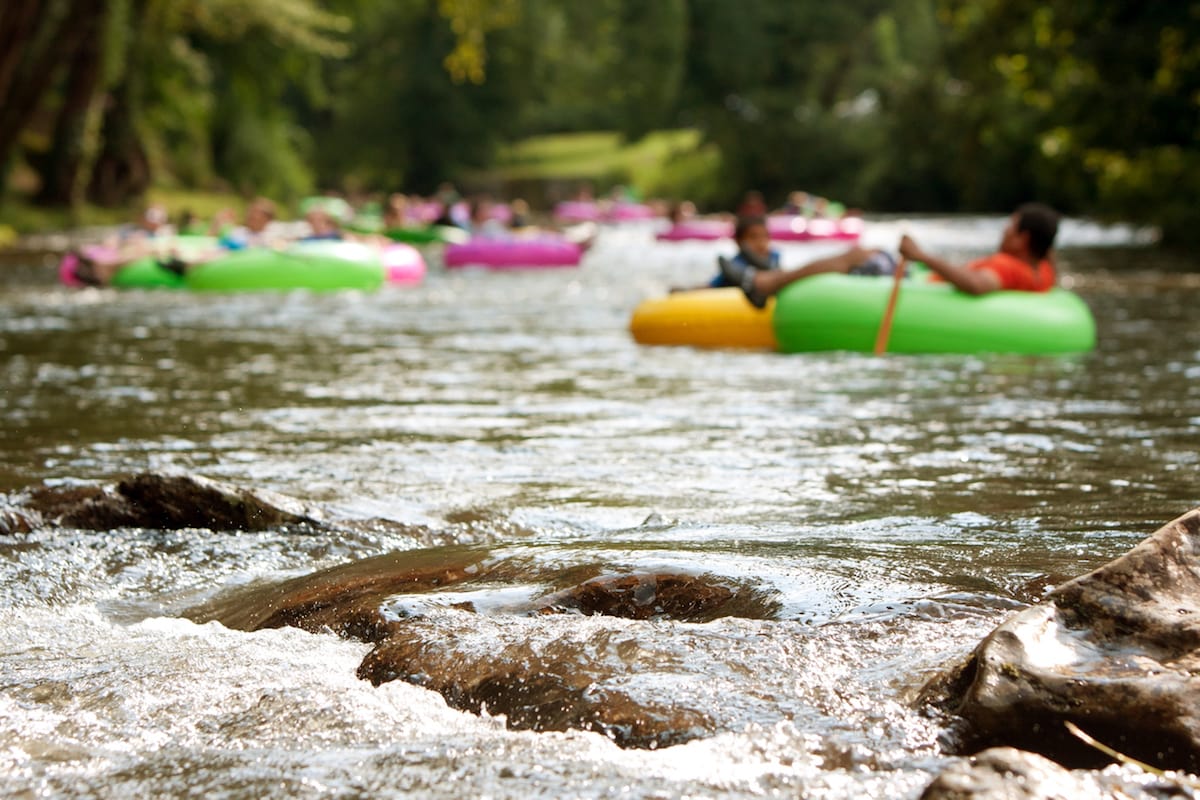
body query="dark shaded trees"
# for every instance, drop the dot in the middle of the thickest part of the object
(936, 105)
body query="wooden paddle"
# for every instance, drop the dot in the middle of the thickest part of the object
(885, 325)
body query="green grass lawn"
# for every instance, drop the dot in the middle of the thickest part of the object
(19, 216)
(203, 204)
(674, 163)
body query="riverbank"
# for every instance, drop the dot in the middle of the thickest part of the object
(541, 169)
(21, 219)
(546, 169)
(899, 510)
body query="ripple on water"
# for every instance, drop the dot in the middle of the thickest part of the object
(890, 511)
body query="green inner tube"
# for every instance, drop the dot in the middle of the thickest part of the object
(432, 234)
(316, 266)
(365, 223)
(145, 273)
(844, 312)
(335, 207)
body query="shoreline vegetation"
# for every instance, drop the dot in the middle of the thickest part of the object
(912, 106)
(674, 164)
(20, 218)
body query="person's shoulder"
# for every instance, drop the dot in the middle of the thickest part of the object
(1016, 274)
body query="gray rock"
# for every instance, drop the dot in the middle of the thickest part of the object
(1003, 773)
(16, 520)
(412, 606)
(166, 502)
(1114, 651)
(686, 598)
(347, 599)
(565, 685)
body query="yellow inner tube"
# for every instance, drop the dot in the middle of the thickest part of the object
(704, 318)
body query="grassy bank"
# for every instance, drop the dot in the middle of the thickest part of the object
(672, 164)
(19, 217)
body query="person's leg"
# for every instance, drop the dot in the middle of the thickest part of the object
(91, 272)
(880, 263)
(760, 284)
(174, 264)
(737, 272)
(770, 282)
(82, 268)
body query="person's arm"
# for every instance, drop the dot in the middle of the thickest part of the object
(971, 281)
(220, 221)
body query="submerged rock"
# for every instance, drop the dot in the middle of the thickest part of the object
(166, 502)
(686, 598)
(172, 502)
(417, 607)
(362, 599)
(349, 599)
(1003, 773)
(15, 520)
(1116, 651)
(562, 685)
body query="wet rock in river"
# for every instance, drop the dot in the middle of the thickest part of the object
(14, 521)
(1003, 773)
(167, 502)
(417, 607)
(686, 598)
(564, 684)
(364, 599)
(1116, 651)
(349, 599)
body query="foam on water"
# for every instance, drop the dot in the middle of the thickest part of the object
(890, 511)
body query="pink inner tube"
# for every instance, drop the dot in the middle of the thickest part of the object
(66, 271)
(706, 230)
(425, 212)
(629, 212)
(514, 253)
(96, 252)
(591, 211)
(794, 228)
(577, 211)
(403, 264)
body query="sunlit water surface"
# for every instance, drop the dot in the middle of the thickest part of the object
(895, 509)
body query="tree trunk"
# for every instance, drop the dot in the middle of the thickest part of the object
(61, 168)
(35, 35)
(122, 169)
(17, 21)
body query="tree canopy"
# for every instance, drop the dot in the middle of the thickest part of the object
(912, 105)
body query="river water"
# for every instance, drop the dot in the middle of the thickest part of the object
(893, 509)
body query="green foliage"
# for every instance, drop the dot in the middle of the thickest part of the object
(301, 26)
(177, 115)
(779, 90)
(672, 163)
(400, 119)
(577, 47)
(953, 105)
(687, 173)
(646, 79)
(263, 152)
(193, 87)
(259, 54)
(1093, 106)
(471, 21)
